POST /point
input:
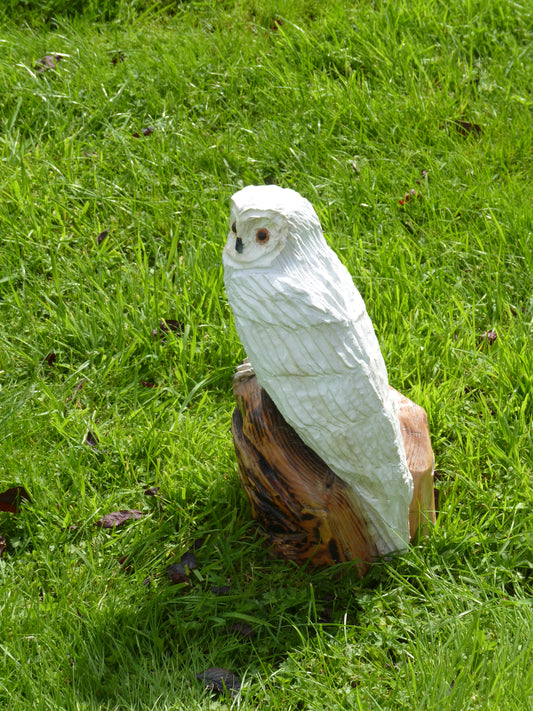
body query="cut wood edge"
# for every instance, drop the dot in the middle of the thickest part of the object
(421, 463)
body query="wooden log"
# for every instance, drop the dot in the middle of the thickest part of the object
(307, 512)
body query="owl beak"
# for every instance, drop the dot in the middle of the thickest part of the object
(239, 245)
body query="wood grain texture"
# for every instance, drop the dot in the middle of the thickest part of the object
(421, 462)
(307, 512)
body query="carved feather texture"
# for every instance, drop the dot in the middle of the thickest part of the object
(306, 331)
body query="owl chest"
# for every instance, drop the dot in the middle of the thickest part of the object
(288, 327)
(281, 299)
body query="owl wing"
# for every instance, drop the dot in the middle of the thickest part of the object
(314, 350)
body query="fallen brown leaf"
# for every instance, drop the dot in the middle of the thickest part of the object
(221, 680)
(189, 560)
(242, 629)
(465, 128)
(152, 491)
(177, 574)
(91, 439)
(102, 236)
(49, 61)
(11, 499)
(117, 518)
(145, 132)
(489, 336)
(124, 563)
(167, 325)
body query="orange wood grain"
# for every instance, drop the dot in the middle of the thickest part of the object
(307, 512)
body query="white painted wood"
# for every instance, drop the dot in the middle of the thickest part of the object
(311, 343)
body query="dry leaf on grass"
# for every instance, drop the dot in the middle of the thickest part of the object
(167, 325)
(49, 61)
(178, 574)
(11, 499)
(240, 628)
(91, 439)
(152, 491)
(102, 236)
(145, 131)
(221, 680)
(198, 543)
(489, 336)
(189, 560)
(117, 518)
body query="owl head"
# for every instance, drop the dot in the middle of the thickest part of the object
(265, 221)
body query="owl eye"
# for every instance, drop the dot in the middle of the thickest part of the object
(262, 236)
(234, 228)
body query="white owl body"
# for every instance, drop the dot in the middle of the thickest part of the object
(306, 331)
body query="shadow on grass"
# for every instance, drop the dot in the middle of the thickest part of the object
(240, 610)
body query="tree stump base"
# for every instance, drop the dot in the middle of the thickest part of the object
(307, 512)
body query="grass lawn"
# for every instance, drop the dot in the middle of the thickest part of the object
(118, 156)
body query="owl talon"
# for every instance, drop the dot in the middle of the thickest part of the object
(243, 372)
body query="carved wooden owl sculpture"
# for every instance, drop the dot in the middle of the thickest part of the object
(311, 343)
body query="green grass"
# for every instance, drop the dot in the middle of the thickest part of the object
(353, 105)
